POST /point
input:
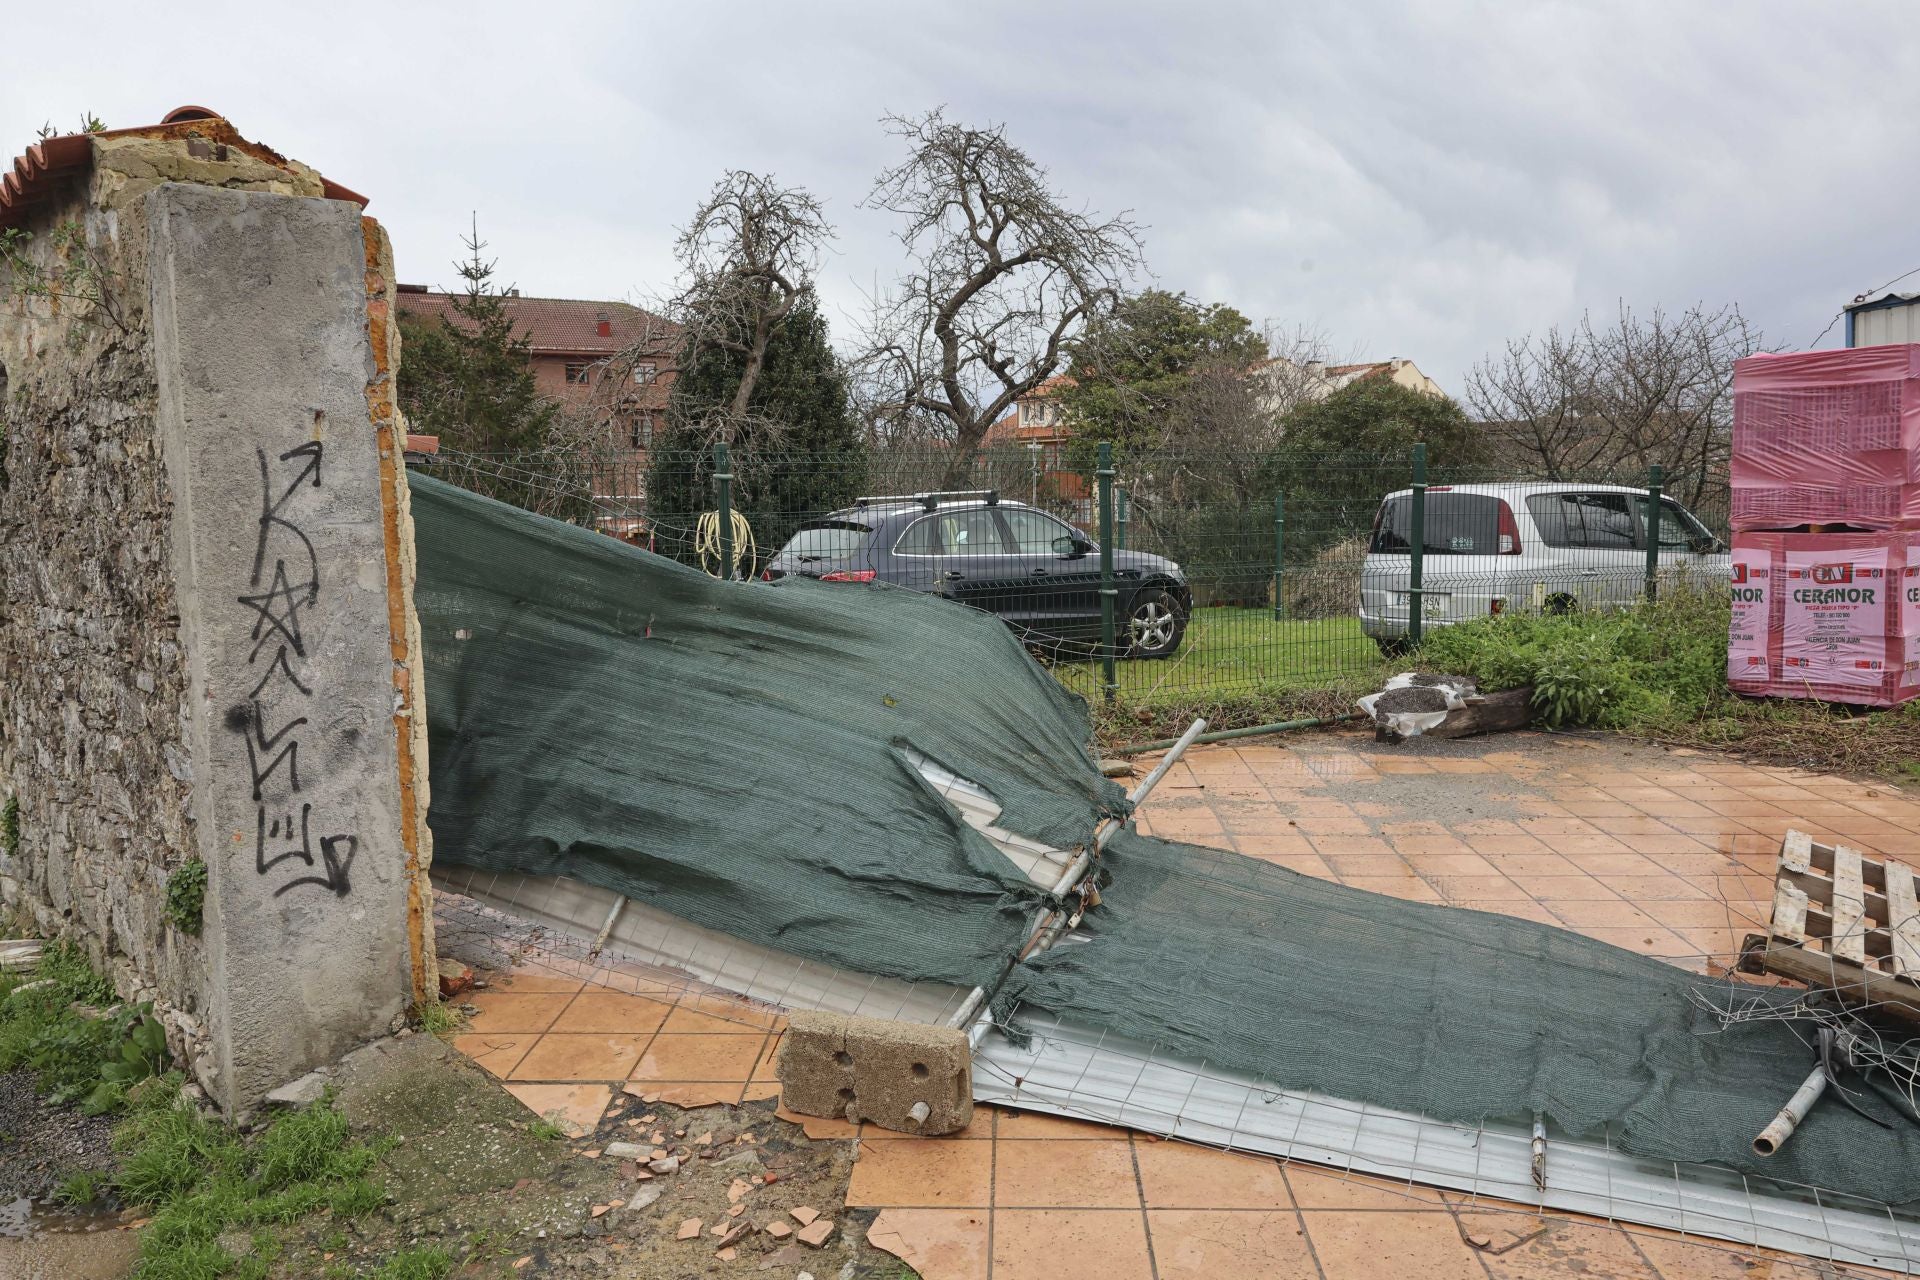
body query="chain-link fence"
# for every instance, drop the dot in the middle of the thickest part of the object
(1155, 577)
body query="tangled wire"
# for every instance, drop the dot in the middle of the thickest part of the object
(1860, 1044)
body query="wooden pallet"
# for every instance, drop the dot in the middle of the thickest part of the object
(1831, 898)
(1845, 922)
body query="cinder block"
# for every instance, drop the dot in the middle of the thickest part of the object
(876, 1070)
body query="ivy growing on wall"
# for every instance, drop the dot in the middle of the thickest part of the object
(187, 895)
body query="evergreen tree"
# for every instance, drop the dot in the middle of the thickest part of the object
(1339, 456)
(1133, 369)
(797, 453)
(470, 380)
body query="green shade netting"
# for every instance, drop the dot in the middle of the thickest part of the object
(1464, 1016)
(735, 754)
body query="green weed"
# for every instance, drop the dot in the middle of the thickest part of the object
(546, 1129)
(423, 1262)
(55, 1023)
(80, 1189)
(1655, 665)
(437, 1017)
(1659, 670)
(199, 1179)
(187, 896)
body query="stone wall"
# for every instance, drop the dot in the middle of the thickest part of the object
(95, 747)
(91, 674)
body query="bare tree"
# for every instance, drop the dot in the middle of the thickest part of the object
(1000, 274)
(1619, 397)
(747, 259)
(1538, 402)
(1295, 371)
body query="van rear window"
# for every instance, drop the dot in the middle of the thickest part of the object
(1458, 524)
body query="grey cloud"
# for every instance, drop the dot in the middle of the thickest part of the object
(1423, 179)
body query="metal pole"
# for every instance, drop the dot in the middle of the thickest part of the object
(1781, 1127)
(1072, 876)
(1196, 732)
(1251, 731)
(1122, 501)
(613, 918)
(723, 487)
(1654, 478)
(1279, 550)
(1417, 546)
(1109, 594)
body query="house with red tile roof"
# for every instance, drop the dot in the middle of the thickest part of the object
(583, 354)
(1295, 383)
(1038, 425)
(608, 361)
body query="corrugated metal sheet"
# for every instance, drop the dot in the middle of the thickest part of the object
(1884, 326)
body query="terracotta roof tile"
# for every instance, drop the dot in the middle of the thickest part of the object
(553, 326)
(41, 173)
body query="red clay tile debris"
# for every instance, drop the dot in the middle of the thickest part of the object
(42, 172)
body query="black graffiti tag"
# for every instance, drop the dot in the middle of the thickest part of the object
(334, 863)
(273, 757)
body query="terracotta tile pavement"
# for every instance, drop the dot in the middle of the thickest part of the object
(1667, 853)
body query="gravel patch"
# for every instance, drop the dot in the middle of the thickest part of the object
(40, 1145)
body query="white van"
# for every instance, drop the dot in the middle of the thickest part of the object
(1543, 548)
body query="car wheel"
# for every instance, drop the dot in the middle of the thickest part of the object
(1560, 605)
(1156, 621)
(1392, 646)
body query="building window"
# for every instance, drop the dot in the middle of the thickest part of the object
(643, 431)
(579, 372)
(645, 372)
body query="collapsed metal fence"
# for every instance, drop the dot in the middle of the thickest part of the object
(1149, 578)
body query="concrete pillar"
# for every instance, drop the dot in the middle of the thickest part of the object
(263, 364)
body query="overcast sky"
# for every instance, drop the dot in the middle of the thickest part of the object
(1418, 179)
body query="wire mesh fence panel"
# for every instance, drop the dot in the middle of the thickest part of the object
(1230, 574)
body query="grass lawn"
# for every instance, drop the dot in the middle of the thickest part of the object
(1235, 650)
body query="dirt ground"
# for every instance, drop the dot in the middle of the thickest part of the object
(476, 1173)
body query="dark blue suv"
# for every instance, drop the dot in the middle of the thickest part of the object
(1037, 572)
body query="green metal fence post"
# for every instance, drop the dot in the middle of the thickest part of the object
(1417, 547)
(1121, 502)
(723, 488)
(1108, 592)
(1654, 478)
(1279, 548)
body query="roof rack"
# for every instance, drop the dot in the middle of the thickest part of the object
(931, 499)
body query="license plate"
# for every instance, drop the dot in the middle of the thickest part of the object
(1432, 606)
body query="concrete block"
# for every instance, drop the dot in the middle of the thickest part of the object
(309, 1088)
(904, 1076)
(263, 364)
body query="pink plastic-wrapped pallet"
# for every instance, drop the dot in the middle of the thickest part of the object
(1834, 616)
(1827, 437)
